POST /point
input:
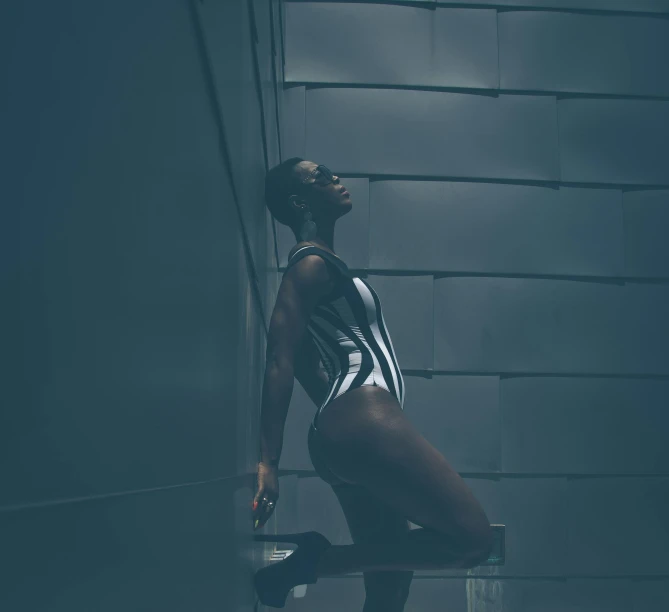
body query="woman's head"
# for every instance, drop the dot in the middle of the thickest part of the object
(296, 186)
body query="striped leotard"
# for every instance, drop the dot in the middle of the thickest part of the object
(348, 329)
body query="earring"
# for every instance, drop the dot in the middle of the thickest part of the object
(309, 228)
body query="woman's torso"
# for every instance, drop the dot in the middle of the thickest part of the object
(349, 330)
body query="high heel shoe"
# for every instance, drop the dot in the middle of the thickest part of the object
(274, 582)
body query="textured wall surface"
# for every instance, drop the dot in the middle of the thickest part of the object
(509, 171)
(135, 136)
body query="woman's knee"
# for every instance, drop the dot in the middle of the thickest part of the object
(468, 548)
(478, 547)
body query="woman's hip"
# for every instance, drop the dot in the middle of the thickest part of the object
(349, 429)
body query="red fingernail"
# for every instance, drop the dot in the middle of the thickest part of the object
(255, 505)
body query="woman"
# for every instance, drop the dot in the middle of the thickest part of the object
(382, 470)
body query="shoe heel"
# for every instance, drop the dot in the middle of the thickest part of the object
(274, 582)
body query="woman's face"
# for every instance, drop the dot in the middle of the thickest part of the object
(325, 199)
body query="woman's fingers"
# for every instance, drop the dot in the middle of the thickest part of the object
(267, 495)
(263, 514)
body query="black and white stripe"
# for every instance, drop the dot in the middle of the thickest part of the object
(352, 337)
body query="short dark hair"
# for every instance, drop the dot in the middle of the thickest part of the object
(280, 182)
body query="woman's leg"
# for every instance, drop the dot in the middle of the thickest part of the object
(370, 520)
(366, 440)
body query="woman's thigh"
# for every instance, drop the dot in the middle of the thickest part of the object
(365, 439)
(368, 519)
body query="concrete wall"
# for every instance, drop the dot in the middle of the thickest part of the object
(136, 264)
(509, 172)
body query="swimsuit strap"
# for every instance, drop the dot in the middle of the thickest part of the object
(314, 250)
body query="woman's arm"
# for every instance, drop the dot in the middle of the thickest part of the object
(315, 383)
(302, 287)
(309, 371)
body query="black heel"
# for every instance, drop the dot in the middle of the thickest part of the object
(274, 582)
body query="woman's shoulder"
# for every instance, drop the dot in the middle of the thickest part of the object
(299, 245)
(335, 262)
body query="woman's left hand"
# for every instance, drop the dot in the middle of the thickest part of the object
(267, 496)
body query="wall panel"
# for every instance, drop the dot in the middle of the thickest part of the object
(459, 416)
(407, 315)
(426, 133)
(649, 6)
(646, 221)
(169, 549)
(361, 43)
(557, 326)
(293, 121)
(495, 228)
(614, 141)
(617, 526)
(584, 425)
(125, 318)
(594, 54)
